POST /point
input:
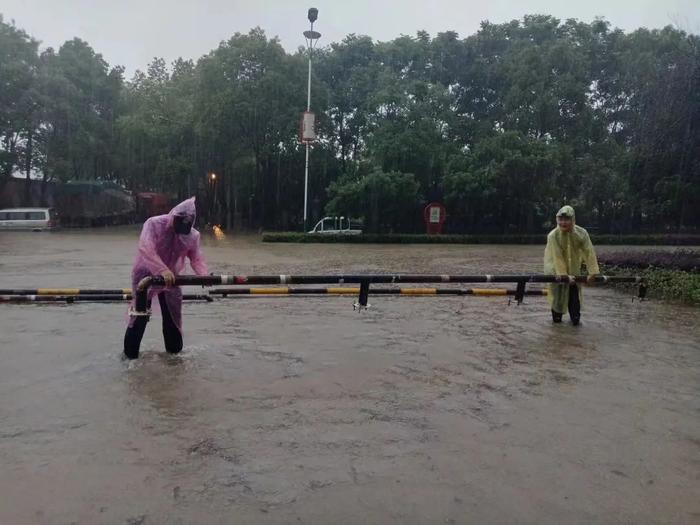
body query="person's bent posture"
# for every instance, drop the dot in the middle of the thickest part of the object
(568, 246)
(166, 242)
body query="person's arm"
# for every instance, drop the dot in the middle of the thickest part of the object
(589, 256)
(197, 260)
(554, 263)
(148, 252)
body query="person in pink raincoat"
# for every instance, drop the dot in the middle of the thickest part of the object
(166, 242)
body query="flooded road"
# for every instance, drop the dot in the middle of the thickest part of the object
(299, 410)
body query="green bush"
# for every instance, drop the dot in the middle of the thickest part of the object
(678, 259)
(667, 284)
(659, 239)
(404, 238)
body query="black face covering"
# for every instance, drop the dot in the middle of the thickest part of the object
(182, 224)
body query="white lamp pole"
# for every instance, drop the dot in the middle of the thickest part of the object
(310, 36)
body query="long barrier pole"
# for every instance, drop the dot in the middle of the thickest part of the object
(414, 292)
(86, 296)
(185, 280)
(209, 280)
(78, 294)
(141, 306)
(63, 291)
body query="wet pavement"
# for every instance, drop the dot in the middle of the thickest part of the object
(299, 410)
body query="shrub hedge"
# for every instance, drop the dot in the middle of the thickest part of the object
(404, 238)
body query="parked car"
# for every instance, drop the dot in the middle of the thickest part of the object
(335, 226)
(34, 219)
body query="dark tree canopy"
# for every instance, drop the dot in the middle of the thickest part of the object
(503, 126)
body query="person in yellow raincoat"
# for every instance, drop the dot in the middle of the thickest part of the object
(568, 246)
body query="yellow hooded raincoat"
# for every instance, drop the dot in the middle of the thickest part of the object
(564, 255)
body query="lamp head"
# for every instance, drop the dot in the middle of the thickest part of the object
(313, 14)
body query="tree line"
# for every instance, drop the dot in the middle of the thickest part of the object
(503, 126)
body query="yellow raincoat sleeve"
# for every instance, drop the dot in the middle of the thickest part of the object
(589, 256)
(554, 262)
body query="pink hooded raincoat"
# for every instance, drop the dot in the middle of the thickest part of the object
(161, 249)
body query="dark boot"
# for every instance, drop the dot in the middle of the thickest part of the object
(171, 333)
(574, 305)
(133, 336)
(556, 317)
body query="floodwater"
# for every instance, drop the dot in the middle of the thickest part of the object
(299, 410)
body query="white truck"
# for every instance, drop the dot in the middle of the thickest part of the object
(335, 226)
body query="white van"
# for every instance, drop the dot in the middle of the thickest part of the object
(34, 219)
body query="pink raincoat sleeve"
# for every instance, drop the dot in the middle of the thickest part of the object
(147, 250)
(197, 261)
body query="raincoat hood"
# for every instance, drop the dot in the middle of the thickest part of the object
(186, 208)
(567, 211)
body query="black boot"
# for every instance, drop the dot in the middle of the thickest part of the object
(171, 333)
(133, 336)
(556, 317)
(574, 306)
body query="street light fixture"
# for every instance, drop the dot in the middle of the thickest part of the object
(311, 41)
(212, 179)
(313, 15)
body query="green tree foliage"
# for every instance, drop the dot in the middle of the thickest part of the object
(155, 131)
(504, 126)
(80, 99)
(384, 201)
(19, 65)
(508, 185)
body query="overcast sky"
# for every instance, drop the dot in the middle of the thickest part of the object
(132, 32)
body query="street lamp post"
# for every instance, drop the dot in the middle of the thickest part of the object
(311, 40)
(212, 178)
